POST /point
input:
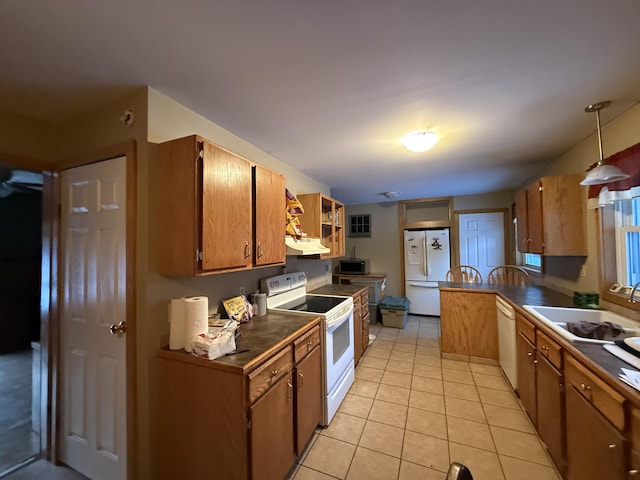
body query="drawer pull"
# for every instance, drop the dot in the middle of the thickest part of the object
(633, 472)
(612, 446)
(274, 372)
(584, 387)
(290, 394)
(309, 343)
(530, 354)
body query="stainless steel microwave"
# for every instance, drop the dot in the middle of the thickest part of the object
(354, 266)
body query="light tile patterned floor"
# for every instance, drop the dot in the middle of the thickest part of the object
(410, 413)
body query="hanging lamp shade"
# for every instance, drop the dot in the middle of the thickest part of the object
(602, 172)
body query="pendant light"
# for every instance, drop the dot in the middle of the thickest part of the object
(603, 172)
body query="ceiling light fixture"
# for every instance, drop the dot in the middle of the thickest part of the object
(602, 172)
(420, 140)
(391, 194)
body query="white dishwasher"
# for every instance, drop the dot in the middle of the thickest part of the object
(507, 340)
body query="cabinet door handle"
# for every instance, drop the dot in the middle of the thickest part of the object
(260, 250)
(633, 472)
(247, 251)
(290, 394)
(301, 379)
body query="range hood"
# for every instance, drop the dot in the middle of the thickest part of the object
(305, 246)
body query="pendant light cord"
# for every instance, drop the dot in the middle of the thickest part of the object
(601, 161)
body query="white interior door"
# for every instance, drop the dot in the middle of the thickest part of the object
(93, 380)
(481, 240)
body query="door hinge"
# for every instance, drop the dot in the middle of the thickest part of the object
(198, 255)
(200, 150)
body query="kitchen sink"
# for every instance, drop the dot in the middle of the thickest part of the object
(557, 318)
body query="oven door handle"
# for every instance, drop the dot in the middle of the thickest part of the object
(335, 324)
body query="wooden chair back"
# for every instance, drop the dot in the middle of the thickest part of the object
(464, 274)
(509, 275)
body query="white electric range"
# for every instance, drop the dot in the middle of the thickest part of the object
(288, 292)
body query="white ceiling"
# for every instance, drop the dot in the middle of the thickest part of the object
(330, 86)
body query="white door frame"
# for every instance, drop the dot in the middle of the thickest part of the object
(52, 219)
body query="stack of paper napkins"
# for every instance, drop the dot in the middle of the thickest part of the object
(215, 343)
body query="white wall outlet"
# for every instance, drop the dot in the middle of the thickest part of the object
(241, 291)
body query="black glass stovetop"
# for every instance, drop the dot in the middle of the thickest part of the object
(313, 304)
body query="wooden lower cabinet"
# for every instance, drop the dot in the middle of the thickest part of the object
(541, 386)
(234, 421)
(550, 418)
(361, 317)
(595, 448)
(272, 442)
(468, 324)
(308, 404)
(526, 368)
(357, 329)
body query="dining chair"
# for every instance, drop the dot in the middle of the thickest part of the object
(464, 274)
(509, 275)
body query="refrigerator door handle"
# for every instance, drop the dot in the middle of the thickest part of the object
(422, 285)
(424, 250)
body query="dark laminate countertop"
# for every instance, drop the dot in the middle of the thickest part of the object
(594, 356)
(261, 336)
(528, 295)
(338, 289)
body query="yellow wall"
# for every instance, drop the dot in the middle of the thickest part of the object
(617, 134)
(384, 247)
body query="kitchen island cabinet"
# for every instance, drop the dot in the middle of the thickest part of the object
(240, 415)
(217, 212)
(468, 324)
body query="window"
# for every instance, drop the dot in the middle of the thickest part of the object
(627, 241)
(360, 225)
(533, 260)
(530, 261)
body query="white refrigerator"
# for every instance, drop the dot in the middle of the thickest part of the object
(427, 258)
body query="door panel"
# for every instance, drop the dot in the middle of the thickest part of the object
(93, 379)
(481, 240)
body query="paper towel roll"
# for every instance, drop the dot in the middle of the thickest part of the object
(197, 318)
(177, 320)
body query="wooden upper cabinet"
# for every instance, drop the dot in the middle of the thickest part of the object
(206, 203)
(563, 215)
(324, 218)
(550, 216)
(226, 210)
(270, 216)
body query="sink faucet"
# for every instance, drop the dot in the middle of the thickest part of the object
(633, 292)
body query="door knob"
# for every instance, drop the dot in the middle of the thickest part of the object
(119, 329)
